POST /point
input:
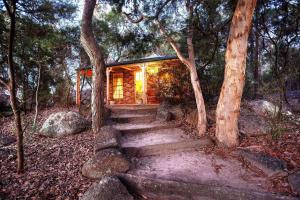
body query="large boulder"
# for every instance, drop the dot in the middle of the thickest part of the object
(108, 188)
(105, 163)
(264, 108)
(108, 137)
(253, 125)
(163, 113)
(64, 123)
(167, 111)
(268, 164)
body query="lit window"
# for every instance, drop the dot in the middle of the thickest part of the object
(118, 86)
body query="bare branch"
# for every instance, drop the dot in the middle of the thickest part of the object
(173, 44)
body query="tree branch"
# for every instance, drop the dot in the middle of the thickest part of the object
(172, 43)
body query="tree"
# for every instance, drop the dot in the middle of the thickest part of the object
(95, 54)
(11, 85)
(228, 108)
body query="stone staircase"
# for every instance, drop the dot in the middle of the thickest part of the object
(169, 164)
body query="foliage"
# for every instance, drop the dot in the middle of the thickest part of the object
(174, 84)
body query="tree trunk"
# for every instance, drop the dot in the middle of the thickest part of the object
(11, 10)
(201, 125)
(228, 108)
(37, 97)
(95, 54)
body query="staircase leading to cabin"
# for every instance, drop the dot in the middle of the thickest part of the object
(168, 164)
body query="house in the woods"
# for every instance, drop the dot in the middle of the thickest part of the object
(130, 82)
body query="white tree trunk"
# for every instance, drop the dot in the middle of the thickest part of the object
(228, 108)
(37, 97)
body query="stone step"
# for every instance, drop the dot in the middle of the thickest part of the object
(154, 137)
(148, 109)
(132, 118)
(153, 188)
(134, 128)
(168, 148)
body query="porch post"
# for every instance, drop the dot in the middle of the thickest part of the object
(144, 72)
(78, 88)
(107, 85)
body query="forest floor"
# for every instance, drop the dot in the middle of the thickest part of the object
(53, 165)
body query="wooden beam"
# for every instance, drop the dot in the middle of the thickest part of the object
(107, 84)
(78, 88)
(144, 72)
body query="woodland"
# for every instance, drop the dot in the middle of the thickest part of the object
(233, 107)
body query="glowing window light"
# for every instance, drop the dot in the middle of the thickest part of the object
(152, 69)
(118, 86)
(139, 84)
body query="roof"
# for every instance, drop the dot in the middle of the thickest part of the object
(137, 61)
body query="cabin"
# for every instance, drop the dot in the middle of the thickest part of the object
(130, 82)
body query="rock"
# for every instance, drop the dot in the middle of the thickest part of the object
(163, 116)
(177, 112)
(108, 188)
(166, 112)
(294, 180)
(253, 125)
(163, 113)
(264, 108)
(108, 137)
(192, 118)
(105, 162)
(64, 123)
(268, 164)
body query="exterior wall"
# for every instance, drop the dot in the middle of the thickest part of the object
(129, 96)
(152, 89)
(128, 87)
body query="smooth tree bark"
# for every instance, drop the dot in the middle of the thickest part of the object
(37, 97)
(95, 54)
(228, 108)
(11, 86)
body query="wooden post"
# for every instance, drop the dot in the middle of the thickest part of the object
(144, 72)
(78, 88)
(107, 85)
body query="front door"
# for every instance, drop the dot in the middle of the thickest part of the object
(139, 87)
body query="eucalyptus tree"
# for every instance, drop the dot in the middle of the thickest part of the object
(228, 108)
(96, 55)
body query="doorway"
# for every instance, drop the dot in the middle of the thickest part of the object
(139, 79)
